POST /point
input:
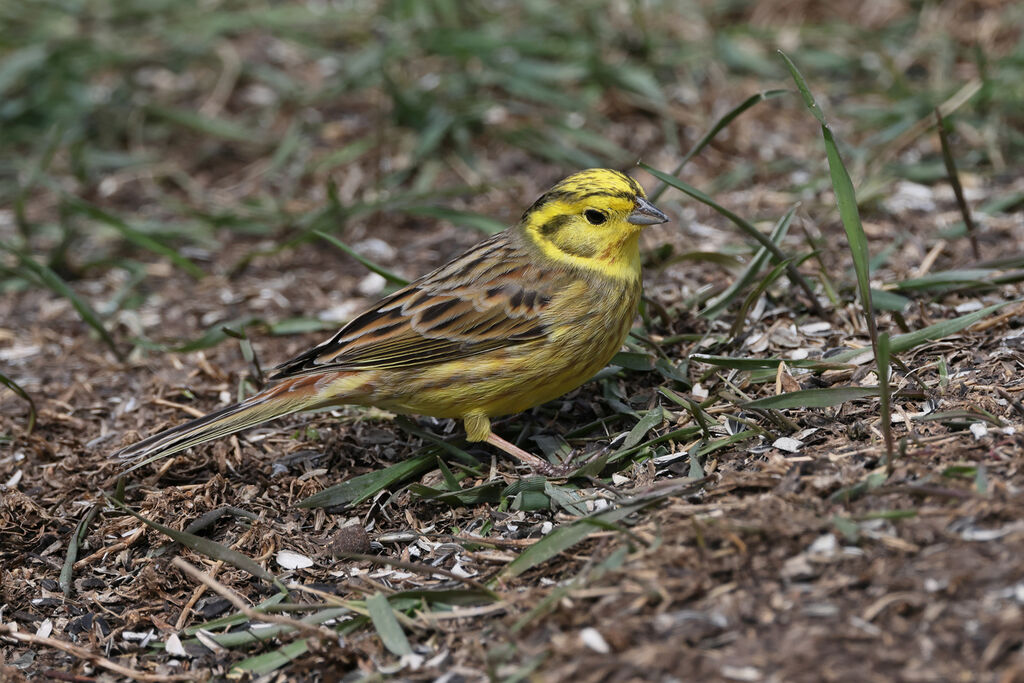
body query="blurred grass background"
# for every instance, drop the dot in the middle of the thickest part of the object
(142, 130)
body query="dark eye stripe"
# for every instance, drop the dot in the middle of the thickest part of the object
(554, 225)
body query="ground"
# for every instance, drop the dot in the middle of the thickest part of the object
(720, 541)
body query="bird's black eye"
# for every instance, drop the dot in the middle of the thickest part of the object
(595, 217)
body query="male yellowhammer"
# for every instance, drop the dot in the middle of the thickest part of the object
(519, 319)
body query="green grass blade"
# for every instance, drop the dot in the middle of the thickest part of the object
(560, 540)
(760, 363)
(370, 265)
(884, 300)
(846, 199)
(24, 395)
(249, 636)
(55, 283)
(743, 224)
(813, 398)
(465, 219)
(208, 125)
(487, 493)
(72, 555)
(234, 618)
(727, 441)
(365, 486)
(968, 278)
(267, 662)
(722, 301)
(631, 360)
(137, 238)
(207, 547)
(568, 535)
(905, 342)
(940, 330)
(387, 626)
(885, 409)
(748, 302)
(651, 419)
(724, 121)
(215, 334)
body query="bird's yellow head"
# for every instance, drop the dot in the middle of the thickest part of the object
(592, 220)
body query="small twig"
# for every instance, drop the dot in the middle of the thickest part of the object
(929, 259)
(484, 540)
(117, 547)
(194, 598)
(10, 631)
(1013, 402)
(64, 676)
(958, 190)
(171, 404)
(226, 81)
(255, 615)
(458, 612)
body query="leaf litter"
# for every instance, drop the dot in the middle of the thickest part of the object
(746, 531)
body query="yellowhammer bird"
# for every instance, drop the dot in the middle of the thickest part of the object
(519, 319)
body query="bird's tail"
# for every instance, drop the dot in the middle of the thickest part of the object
(285, 398)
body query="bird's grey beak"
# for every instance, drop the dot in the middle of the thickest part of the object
(646, 213)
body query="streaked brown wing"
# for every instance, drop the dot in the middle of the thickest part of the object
(488, 298)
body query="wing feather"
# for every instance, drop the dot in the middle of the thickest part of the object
(489, 298)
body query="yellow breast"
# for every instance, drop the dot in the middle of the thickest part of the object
(588, 323)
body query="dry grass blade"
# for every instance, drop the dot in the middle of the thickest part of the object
(239, 604)
(954, 179)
